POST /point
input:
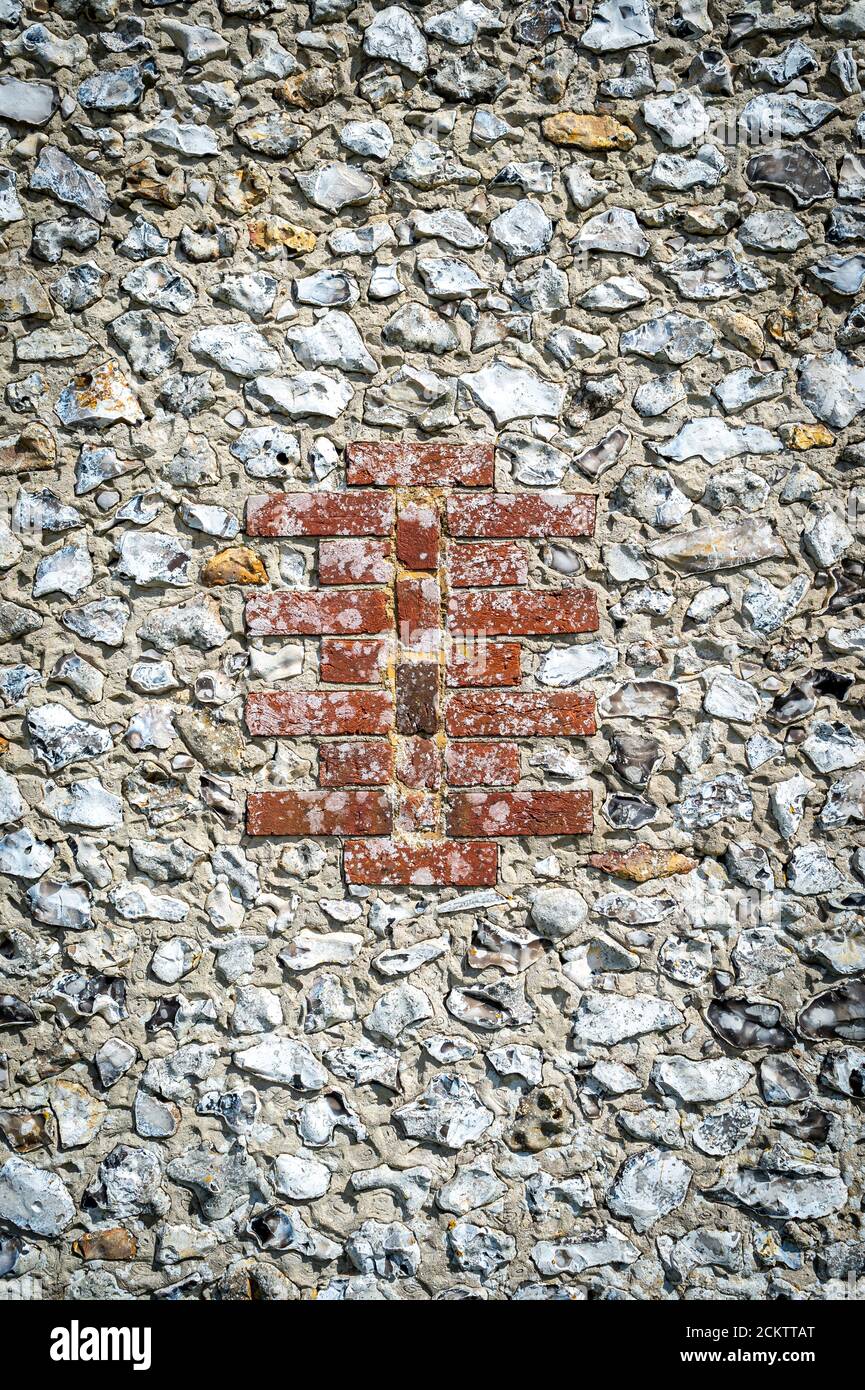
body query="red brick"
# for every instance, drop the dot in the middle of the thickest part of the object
(482, 764)
(518, 514)
(486, 563)
(420, 465)
(361, 763)
(274, 712)
(519, 713)
(320, 514)
(318, 813)
(483, 663)
(444, 865)
(522, 612)
(417, 810)
(350, 561)
(418, 763)
(418, 606)
(352, 663)
(418, 534)
(520, 813)
(308, 612)
(416, 691)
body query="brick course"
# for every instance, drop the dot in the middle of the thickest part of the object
(417, 572)
(421, 465)
(313, 612)
(318, 813)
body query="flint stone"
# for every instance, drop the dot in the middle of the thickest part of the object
(606, 1019)
(29, 103)
(448, 1112)
(673, 338)
(786, 1187)
(34, 1199)
(833, 388)
(695, 1082)
(648, 1187)
(283, 1062)
(796, 170)
(617, 25)
(59, 175)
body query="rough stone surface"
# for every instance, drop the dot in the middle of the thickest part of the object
(431, 718)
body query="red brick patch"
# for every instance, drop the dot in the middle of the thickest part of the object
(439, 864)
(520, 813)
(309, 612)
(360, 763)
(516, 612)
(418, 607)
(519, 714)
(417, 810)
(421, 465)
(321, 712)
(484, 663)
(318, 813)
(418, 535)
(480, 563)
(320, 514)
(418, 763)
(431, 713)
(357, 662)
(353, 561)
(482, 764)
(507, 514)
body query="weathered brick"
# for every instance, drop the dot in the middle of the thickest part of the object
(417, 684)
(519, 813)
(482, 764)
(521, 612)
(309, 612)
(417, 810)
(443, 865)
(519, 713)
(274, 712)
(346, 662)
(359, 763)
(352, 561)
(483, 663)
(516, 514)
(418, 763)
(318, 813)
(320, 514)
(418, 606)
(486, 563)
(418, 535)
(420, 464)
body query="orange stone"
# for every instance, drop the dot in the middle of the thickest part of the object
(237, 564)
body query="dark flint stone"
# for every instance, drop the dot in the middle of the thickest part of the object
(14, 1013)
(793, 705)
(744, 1023)
(635, 757)
(837, 1013)
(628, 812)
(812, 1126)
(795, 170)
(781, 1081)
(834, 683)
(538, 22)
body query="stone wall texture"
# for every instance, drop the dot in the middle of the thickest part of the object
(432, 773)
